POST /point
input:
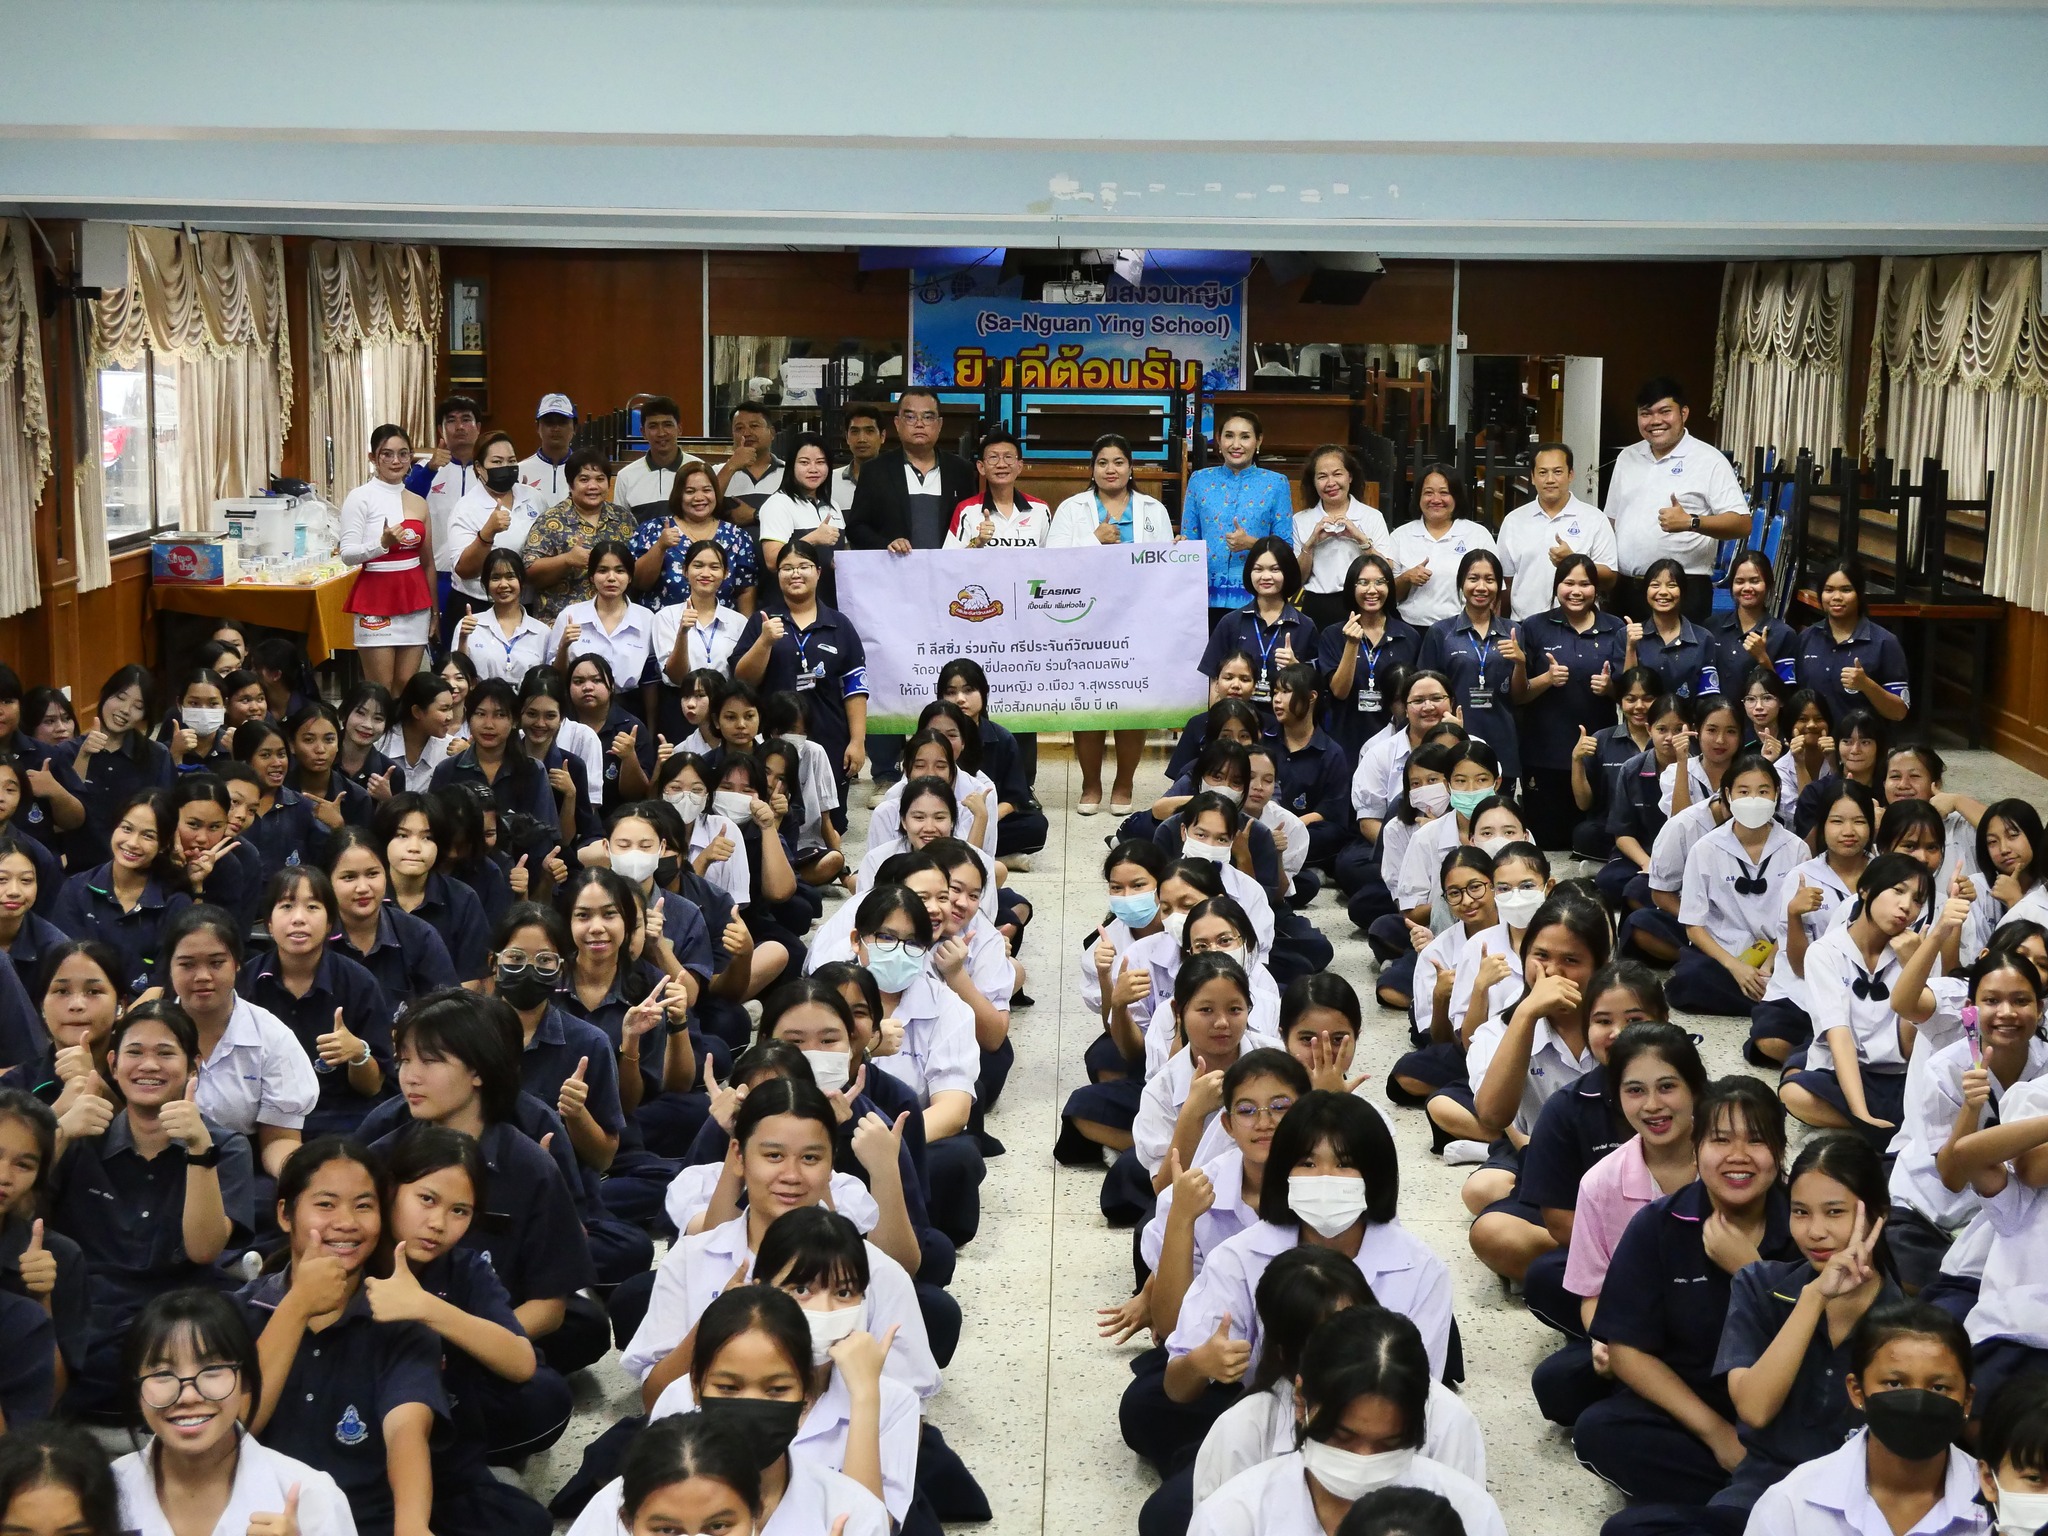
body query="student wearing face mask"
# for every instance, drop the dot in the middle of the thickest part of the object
(1732, 902)
(1222, 768)
(494, 513)
(1361, 1407)
(1215, 925)
(2012, 1441)
(1209, 828)
(1424, 798)
(1438, 1057)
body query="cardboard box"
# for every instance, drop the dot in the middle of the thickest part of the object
(193, 560)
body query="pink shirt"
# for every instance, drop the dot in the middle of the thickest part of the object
(1611, 1192)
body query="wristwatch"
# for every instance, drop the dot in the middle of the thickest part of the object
(1695, 522)
(210, 1158)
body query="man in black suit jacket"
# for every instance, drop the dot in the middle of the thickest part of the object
(905, 498)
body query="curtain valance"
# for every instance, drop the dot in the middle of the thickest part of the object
(199, 294)
(364, 293)
(1969, 321)
(1781, 365)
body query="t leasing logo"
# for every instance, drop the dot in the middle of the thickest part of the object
(1063, 605)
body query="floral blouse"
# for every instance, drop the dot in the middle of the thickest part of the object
(742, 563)
(561, 528)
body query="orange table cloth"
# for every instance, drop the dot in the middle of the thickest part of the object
(317, 612)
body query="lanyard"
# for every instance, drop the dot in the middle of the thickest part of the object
(1485, 650)
(1266, 644)
(710, 634)
(802, 640)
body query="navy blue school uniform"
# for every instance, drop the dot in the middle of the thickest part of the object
(685, 926)
(1480, 681)
(589, 823)
(1315, 779)
(288, 834)
(126, 1214)
(88, 910)
(110, 778)
(608, 1017)
(1259, 840)
(33, 941)
(1615, 749)
(356, 804)
(367, 1009)
(374, 763)
(1732, 661)
(1574, 1130)
(1806, 809)
(719, 1017)
(407, 960)
(1243, 630)
(486, 880)
(1818, 661)
(1356, 720)
(28, 1369)
(1665, 1297)
(1025, 829)
(491, 1418)
(344, 1380)
(49, 865)
(451, 909)
(1551, 723)
(236, 884)
(69, 1310)
(520, 789)
(32, 819)
(560, 1040)
(617, 720)
(166, 734)
(824, 666)
(1634, 812)
(1685, 664)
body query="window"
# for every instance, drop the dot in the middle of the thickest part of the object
(139, 448)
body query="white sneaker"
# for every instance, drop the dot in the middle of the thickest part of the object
(1020, 862)
(1462, 1151)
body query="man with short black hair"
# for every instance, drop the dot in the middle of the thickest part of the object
(643, 486)
(753, 473)
(864, 435)
(541, 470)
(1671, 496)
(1536, 537)
(443, 481)
(905, 497)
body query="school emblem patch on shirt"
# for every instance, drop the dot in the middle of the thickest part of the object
(351, 1430)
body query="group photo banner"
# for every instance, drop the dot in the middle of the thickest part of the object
(1101, 637)
(971, 329)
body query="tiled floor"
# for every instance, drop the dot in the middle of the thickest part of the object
(1032, 1394)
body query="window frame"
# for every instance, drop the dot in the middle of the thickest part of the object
(127, 539)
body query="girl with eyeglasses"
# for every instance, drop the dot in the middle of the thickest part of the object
(564, 1061)
(197, 1380)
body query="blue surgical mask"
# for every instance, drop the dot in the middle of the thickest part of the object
(1466, 801)
(894, 971)
(1135, 911)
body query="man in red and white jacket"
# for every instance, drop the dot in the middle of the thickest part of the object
(1002, 516)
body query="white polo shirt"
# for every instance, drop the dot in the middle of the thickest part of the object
(624, 648)
(445, 491)
(544, 477)
(1702, 479)
(1526, 538)
(1331, 558)
(783, 518)
(744, 487)
(1411, 544)
(1380, 779)
(258, 1074)
(468, 519)
(710, 645)
(644, 490)
(843, 485)
(939, 1053)
(494, 653)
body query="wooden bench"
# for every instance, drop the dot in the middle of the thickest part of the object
(1940, 698)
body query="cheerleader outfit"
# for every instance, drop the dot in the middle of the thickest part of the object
(391, 600)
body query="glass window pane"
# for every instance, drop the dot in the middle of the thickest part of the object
(168, 500)
(124, 449)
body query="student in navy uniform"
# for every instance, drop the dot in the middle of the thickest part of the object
(1479, 655)
(403, 954)
(1670, 644)
(795, 642)
(83, 993)
(126, 902)
(330, 1002)
(1357, 657)
(1232, 715)
(543, 707)
(42, 1272)
(506, 1405)
(152, 1192)
(1847, 661)
(218, 868)
(412, 829)
(1861, 745)
(720, 1010)
(464, 852)
(195, 728)
(1668, 1432)
(458, 1066)
(115, 761)
(17, 804)
(366, 714)
(529, 818)
(25, 938)
(313, 732)
(1749, 635)
(1313, 776)
(628, 745)
(1566, 683)
(1269, 629)
(1614, 747)
(286, 829)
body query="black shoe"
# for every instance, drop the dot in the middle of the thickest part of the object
(1073, 1150)
(1022, 1000)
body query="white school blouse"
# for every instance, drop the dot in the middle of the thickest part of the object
(690, 1191)
(885, 822)
(2012, 1303)
(1442, 953)
(1785, 984)
(1552, 1066)
(1378, 781)
(1708, 898)
(1229, 1215)
(407, 774)
(694, 1271)
(258, 1074)
(1260, 1426)
(1934, 1096)
(624, 648)
(815, 1498)
(1161, 1039)
(940, 1054)
(494, 653)
(262, 1479)
(1118, 932)
(1833, 967)
(880, 853)
(1503, 995)
(710, 644)
(1422, 864)
(1165, 1091)
(1674, 843)
(1331, 559)
(1830, 1496)
(1272, 1499)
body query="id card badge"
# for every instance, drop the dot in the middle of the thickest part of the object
(1481, 697)
(1758, 952)
(806, 681)
(1262, 690)
(1369, 702)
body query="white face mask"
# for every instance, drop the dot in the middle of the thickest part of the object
(635, 864)
(1517, 907)
(832, 1069)
(1209, 853)
(689, 803)
(1429, 799)
(205, 721)
(1229, 792)
(2021, 1514)
(733, 804)
(1753, 811)
(1327, 1204)
(1348, 1475)
(1491, 846)
(1175, 924)
(828, 1328)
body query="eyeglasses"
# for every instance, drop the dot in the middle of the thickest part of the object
(215, 1383)
(917, 416)
(1461, 895)
(546, 964)
(1246, 1110)
(889, 944)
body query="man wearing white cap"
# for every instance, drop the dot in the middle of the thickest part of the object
(541, 470)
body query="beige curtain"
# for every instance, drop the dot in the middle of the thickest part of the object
(24, 422)
(1781, 359)
(1959, 360)
(376, 328)
(213, 304)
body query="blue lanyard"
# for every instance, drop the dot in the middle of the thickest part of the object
(710, 634)
(1485, 650)
(1266, 645)
(802, 640)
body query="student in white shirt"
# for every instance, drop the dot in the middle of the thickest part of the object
(1003, 516)
(642, 487)
(504, 640)
(1822, 888)
(1732, 903)
(694, 636)
(1333, 531)
(1537, 535)
(1364, 1365)
(608, 625)
(1427, 551)
(194, 1387)
(496, 513)
(804, 507)
(1673, 496)
(1910, 1377)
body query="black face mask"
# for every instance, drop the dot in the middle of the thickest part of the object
(766, 1426)
(524, 988)
(1912, 1423)
(666, 871)
(502, 477)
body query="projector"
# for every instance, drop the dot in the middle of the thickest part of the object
(1076, 291)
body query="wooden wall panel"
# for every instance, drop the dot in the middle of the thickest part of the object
(2018, 703)
(820, 294)
(1409, 305)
